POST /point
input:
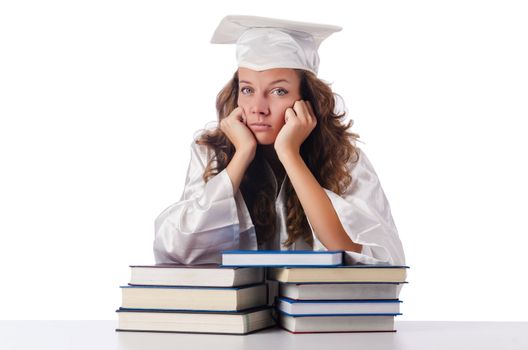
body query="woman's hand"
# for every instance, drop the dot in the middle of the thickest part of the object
(300, 121)
(236, 130)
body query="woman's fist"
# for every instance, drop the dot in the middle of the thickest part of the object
(300, 122)
(235, 128)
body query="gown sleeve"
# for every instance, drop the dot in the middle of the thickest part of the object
(203, 223)
(365, 214)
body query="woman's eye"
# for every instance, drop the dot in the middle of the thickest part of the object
(244, 89)
(280, 92)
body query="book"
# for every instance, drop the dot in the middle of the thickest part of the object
(338, 307)
(249, 321)
(198, 275)
(334, 324)
(194, 298)
(333, 291)
(348, 273)
(281, 258)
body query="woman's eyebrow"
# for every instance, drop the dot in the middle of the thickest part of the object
(272, 83)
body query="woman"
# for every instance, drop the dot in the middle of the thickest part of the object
(281, 170)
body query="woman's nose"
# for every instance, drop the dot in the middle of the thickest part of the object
(260, 106)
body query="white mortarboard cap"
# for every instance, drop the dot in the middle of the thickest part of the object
(265, 43)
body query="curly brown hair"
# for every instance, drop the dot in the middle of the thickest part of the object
(326, 152)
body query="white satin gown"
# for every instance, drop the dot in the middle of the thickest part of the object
(210, 218)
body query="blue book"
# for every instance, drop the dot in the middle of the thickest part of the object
(293, 307)
(283, 258)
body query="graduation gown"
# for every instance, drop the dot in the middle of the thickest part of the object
(210, 218)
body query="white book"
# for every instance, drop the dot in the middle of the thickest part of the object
(338, 274)
(330, 324)
(197, 275)
(194, 298)
(339, 307)
(281, 258)
(333, 291)
(194, 322)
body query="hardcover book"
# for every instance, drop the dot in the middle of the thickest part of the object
(245, 322)
(336, 324)
(336, 291)
(281, 258)
(194, 298)
(348, 273)
(198, 275)
(339, 307)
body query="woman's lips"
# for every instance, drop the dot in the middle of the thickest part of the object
(260, 127)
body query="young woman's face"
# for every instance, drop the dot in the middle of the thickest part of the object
(264, 97)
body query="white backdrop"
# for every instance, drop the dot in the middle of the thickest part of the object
(99, 101)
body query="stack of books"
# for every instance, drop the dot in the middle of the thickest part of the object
(195, 299)
(318, 294)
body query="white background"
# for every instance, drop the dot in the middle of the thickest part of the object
(99, 101)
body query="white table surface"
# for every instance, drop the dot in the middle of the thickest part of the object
(101, 335)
